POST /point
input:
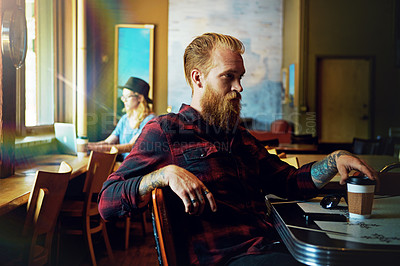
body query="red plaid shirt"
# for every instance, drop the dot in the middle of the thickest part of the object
(235, 167)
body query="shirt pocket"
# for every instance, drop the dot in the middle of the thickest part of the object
(205, 161)
(199, 153)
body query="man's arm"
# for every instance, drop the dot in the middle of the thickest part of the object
(119, 195)
(105, 147)
(339, 161)
(187, 186)
(148, 166)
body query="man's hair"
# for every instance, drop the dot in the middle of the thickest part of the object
(198, 54)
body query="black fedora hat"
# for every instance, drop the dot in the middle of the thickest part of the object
(138, 85)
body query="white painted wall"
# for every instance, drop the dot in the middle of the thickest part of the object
(258, 24)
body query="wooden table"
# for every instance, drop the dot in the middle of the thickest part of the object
(375, 161)
(15, 190)
(297, 148)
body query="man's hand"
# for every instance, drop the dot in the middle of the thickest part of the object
(343, 162)
(186, 185)
(347, 162)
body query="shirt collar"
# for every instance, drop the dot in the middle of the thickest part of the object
(189, 113)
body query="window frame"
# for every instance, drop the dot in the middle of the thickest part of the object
(64, 28)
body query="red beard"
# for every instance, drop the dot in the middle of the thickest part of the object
(221, 111)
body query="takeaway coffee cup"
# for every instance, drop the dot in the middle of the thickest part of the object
(82, 146)
(360, 197)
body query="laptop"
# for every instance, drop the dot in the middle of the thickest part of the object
(66, 137)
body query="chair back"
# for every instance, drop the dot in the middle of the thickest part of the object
(389, 182)
(366, 146)
(293, 161)
(163, 230)
(394, 132)
(99, 168)
(43, 207)
(281, 126)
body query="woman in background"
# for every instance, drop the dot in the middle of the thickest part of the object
(138, 113)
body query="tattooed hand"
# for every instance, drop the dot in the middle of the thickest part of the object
(339, 161)
(186, 185)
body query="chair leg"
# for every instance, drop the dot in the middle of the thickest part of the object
(89, 241)
(127, 230)
(58, 236)
(107, 242)
(144, 223)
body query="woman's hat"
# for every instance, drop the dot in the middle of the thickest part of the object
(138, 85)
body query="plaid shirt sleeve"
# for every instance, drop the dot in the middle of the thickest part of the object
(278, 177)
(291, 183)
(118, 196)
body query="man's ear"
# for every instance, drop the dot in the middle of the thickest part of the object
(196, 78)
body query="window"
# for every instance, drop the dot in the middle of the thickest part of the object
(46, 85)
(39, 64)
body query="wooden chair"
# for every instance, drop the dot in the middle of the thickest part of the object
(389, 180)
(128, 218)
(99, 167)
(128, 228)
(293, 161)
(281, 126)
(43, 208)
(170, 226)
(394, 132)
(162, 230)
(366, 146)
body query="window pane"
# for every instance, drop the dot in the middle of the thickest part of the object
(30, 66)
(39, 65)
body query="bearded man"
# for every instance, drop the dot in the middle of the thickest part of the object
(217, 169)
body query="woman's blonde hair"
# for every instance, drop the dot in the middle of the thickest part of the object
(198, 54)
(142, 111)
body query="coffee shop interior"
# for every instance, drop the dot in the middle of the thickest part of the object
(320, 76)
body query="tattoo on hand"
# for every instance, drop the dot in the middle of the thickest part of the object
(151, 181)
(323, 171)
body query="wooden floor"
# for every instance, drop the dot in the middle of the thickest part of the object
(141, 248)
(73, 249)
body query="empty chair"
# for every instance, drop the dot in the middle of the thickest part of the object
(128, 227)
(128, 218)
(281, 127)
(99, 167)
(43, 209)
(394, 132)
(389, 180)
(366, 146)
(393, 147)
(386, 145)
